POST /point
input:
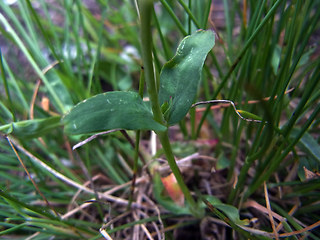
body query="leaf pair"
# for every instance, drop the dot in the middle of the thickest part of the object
(179, 80)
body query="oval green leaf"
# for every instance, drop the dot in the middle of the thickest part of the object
(31, 128)
(179, 78)
(111, 110)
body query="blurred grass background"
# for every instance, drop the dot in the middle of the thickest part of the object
(263, 49)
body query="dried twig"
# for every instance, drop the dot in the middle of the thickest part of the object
(270, 211)
(226, 102)
(93, 137)
(71, 182)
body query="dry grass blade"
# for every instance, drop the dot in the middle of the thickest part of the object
(36, 89)
(31, 179)
(33, 100)
(92, 138)
(270, 212)
(309, 228)
(105, 234)
(71, 182)
(159, 232)
(263, 209)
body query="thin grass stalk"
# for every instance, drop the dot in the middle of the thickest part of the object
(50, 28)
(290, 35)
(76, 28)
(207, 77)
(174, 17)
(112, 172)
(313, 100)
(25, 14)
(6, 114)
(252, 156)
(192, 113)
(263, 58)
(51, 32)
(15, 88)
(232, 94)
(166, 49)
(157, 64)
(66, 36)
(288, 217)
(270, 14)
(13, 229)
(86, 37)
(217, 65)
(266, 143)
(6, 88)
(280, 156)
(94, 66)
(90, 25)
(137, 144)
(296, 61)
(33, 48)
(256, 16)
(41, 28)
(311, 86)
(190, 16)
(206, 15)
(33, 63)
(38, 211)
(235, 149)
(246, 74)
(31, 179)
(59, 227)
(55, 159)
(228, 27)
(237, 83)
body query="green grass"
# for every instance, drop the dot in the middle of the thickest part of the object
(258, 57)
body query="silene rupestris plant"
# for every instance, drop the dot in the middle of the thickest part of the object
(170, 97)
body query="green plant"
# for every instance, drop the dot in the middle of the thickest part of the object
(265, 62)
(170, 97)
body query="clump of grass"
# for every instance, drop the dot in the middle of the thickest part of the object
(265, 174)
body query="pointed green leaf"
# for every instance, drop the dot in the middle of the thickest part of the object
(308, 144)
(111, 110)
(31, 128)
(275, 59)
(179, 78)
(230, 211)
(249, 115)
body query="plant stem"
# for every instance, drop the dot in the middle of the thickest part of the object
(165, 142)
(146, 10)
(136, 147)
